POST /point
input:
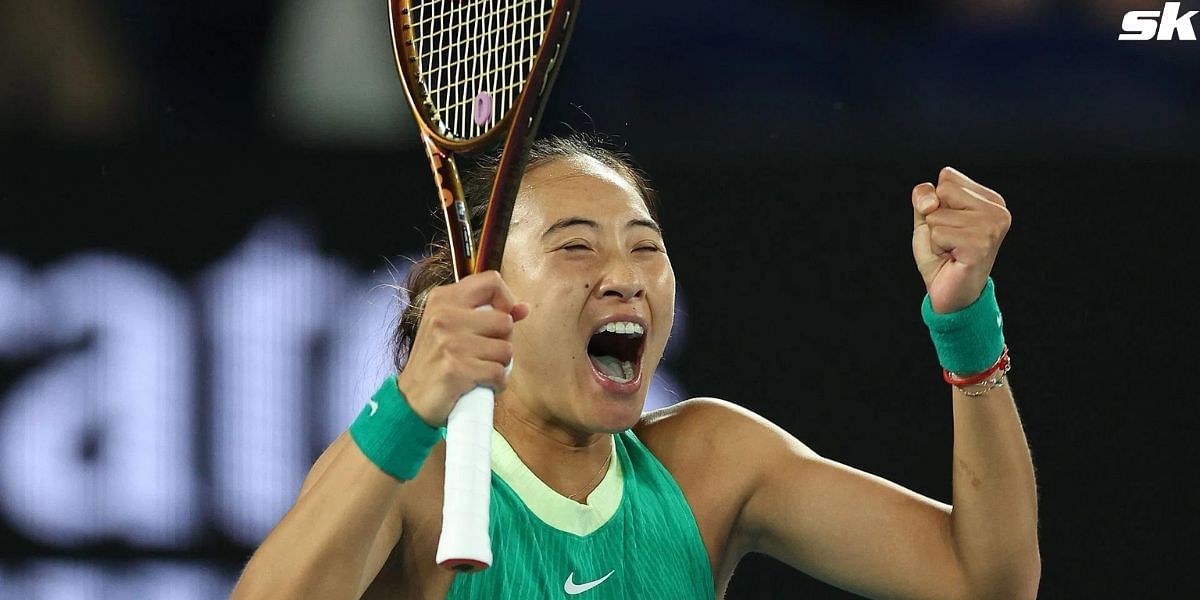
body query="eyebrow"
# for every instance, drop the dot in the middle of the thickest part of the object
(582, 222)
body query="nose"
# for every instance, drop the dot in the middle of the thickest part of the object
(622, 281)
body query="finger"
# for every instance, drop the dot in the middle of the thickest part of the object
(960, 243)
(487, 289)
(924, 201)
(487, 373)
(486, 323)
(943, 240)
(519, 311)
(955, 196)
(922, 246)
(954, 218)
(492, 350)
(954, 176)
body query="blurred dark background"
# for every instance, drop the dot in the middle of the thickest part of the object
(204, 203)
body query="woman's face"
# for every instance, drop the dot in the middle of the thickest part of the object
(585, 254)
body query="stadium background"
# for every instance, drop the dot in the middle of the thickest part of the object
(204, 203)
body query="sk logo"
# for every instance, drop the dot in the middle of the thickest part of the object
(1142, 24)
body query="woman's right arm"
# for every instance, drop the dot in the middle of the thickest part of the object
(341, 530)
(337, 535)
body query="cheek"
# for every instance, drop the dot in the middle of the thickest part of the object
(662, 282)
(559, 282)
(663, 305)
(554, 317)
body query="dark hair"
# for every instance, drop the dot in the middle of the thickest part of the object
(436, 268)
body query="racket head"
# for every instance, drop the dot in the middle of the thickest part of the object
(466, 63)
(476, 71)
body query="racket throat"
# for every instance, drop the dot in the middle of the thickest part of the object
(454, 208)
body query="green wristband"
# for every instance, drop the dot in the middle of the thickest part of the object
(391, 435)
(968, 340)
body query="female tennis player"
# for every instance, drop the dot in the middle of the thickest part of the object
(590, 497)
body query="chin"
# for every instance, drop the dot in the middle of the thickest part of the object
(616, 415)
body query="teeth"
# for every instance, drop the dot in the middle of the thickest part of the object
(624, 327)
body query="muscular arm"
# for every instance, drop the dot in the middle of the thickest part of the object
(868, 535)
(994, 521)
(340, 532)
(873, 537)
(334, 540)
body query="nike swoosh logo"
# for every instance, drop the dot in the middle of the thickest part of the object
(572, 588)
(374, 407)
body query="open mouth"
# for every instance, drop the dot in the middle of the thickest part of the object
(615, 350)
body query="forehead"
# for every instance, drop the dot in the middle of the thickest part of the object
(579, 186)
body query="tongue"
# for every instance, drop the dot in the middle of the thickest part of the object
(613, 368)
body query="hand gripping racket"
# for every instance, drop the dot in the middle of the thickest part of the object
(476, 72)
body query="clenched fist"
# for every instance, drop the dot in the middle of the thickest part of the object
(459, 347)
(957, 230)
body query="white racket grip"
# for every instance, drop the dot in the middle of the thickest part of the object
(465, 544)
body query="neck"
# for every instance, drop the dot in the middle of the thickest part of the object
(568, 460)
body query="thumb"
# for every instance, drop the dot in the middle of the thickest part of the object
(924, 201)
(519, 311)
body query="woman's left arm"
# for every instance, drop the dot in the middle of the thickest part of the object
(871, 536)
(868, 535)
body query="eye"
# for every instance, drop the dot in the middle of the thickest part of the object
(575, 247)
(647, 248)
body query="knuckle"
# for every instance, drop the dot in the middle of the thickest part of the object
(437, 321)
(495, 323)
(496, 373)
(1006, 219)
(504, 322)
(493, 319)
(436, 297)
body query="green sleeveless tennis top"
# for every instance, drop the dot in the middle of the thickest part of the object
(635, 538)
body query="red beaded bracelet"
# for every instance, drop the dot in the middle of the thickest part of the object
(1001, 365)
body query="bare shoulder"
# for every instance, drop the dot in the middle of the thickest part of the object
(711, 428)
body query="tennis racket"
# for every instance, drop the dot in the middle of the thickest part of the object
(476, 73)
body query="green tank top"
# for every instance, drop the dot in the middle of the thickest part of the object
(635, 538)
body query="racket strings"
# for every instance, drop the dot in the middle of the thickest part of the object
(473, 58)
(470, 101)
(486, 17)
(476, 57)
